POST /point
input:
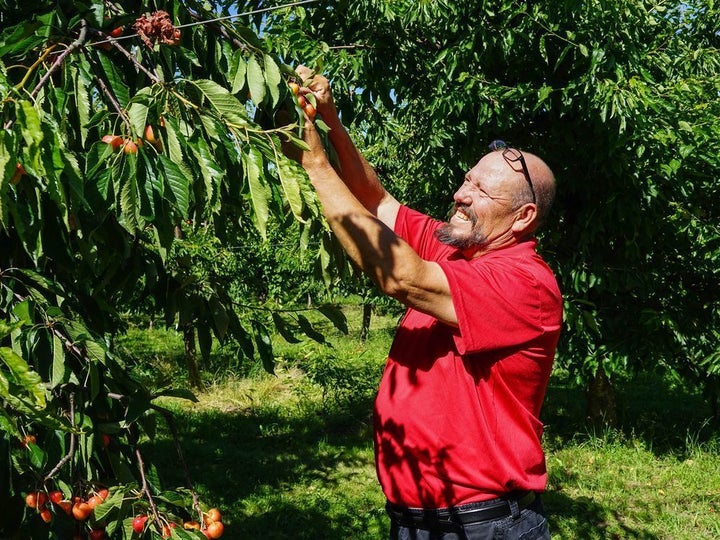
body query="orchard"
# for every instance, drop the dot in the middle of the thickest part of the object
(140, 140)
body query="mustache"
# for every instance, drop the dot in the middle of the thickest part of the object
(465, 209)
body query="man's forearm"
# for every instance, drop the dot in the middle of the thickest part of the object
(356, 172)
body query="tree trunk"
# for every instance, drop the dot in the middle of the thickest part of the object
(191, 357)
(711, 392)
(365, 328)
(600, 399)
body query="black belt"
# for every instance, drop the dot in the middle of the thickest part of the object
(452, 519)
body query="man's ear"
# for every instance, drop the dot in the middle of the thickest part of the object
(526, 220)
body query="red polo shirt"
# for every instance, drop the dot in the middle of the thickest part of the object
(456, 415)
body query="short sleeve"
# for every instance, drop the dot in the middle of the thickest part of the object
(498, 303)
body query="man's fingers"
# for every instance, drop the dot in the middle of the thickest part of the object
(305, 73)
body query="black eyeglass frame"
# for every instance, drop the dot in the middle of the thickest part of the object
(510, 157)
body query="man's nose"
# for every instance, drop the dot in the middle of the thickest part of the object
(461, 195)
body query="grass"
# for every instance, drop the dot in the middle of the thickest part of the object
(290, 455)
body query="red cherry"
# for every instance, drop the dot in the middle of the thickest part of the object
(138, 524)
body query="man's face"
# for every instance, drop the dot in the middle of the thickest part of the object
(485, 207)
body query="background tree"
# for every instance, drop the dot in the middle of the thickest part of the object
(620, 98)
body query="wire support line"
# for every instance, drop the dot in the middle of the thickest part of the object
(218, 19)
(248, 13)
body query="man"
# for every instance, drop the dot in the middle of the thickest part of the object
(457, 434)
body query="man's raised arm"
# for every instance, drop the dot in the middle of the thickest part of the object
(355, 171)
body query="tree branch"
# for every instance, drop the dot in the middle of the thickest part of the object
(59, 60)
(108, 93)
(145, 489)
(176, 439)
(153, 77)
(71, 450)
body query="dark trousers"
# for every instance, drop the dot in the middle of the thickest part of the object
(528, 523)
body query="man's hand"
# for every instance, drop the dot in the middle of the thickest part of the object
(313, 159)
(319, 86)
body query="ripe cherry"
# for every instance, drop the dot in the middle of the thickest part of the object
(36, 499)
(113, 140)
(17, 175)
(149, 134)
(46, 515)
(116, 32)
(81, 511)
(67, 507)
(56, 496)
(138, 524)
(310, 110)
(294, 88)
(215, 529)
(97, 534)
(214, 514)
(129, 147)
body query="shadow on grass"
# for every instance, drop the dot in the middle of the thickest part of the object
(666, 417)
(583, 519)
(275, 471)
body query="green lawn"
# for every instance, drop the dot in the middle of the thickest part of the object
(290, 455)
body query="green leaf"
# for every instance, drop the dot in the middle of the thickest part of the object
(96, 13)
(309, 330)
(183, 393)
(259, 191)
(225, 104)
(60, 369)
(8, 424)
(264, 346)
(115, 80)
(24, 376)
(221, 320)
(113, 502)
(336, 316)
(32, 133)
(291, 174)
(256, 80)
(7, 329)
(82, 101)
(138, 111)
(238, 71)
(273, 78)
(38, 457)
(283, 328)
(685, 126)
(211, 171)
(179, 185)
(129, 202)
(205, 341)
